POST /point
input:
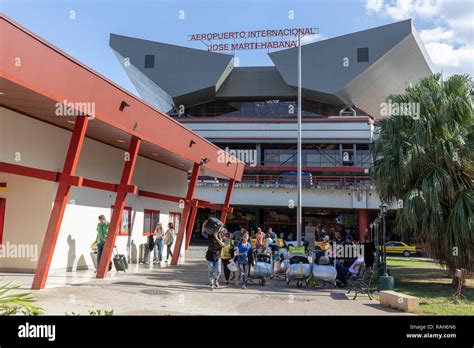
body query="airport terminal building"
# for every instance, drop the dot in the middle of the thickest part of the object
(252, 111)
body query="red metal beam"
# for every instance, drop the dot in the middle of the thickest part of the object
(116, 219)
(161, 196)
(189, 233)
(28, 171)
(230, 188)
(3, 202)
(62, 196)
(184, 217)
(56, 177)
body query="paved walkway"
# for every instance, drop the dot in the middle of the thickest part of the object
(183, 290)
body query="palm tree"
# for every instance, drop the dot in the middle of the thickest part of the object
(424, 162)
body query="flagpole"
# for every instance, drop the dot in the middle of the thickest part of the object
(299, 207)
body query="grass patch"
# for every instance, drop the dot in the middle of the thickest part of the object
(428, 281)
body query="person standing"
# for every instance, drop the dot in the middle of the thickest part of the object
(213, 257)
(159, 235)
(244, 249)
(238, 235)
(102, 230)
(271, 235)
(227, 255)
(169, 239)
(260, 241)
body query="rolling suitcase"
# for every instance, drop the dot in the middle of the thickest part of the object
(94, 257)
(120, 262)
(144, 253)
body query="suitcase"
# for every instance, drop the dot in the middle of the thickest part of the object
(144, 253)
(94, 257)
(212, 226)
(120, 262)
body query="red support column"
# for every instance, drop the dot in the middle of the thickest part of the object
(363, 224)
(185, 215)
(116, 219)
(189, 233)
(60, 202)
(230, 188)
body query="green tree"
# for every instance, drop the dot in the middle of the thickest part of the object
(425, 161)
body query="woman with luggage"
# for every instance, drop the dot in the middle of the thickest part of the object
(159, 235)
(227, 254)
(169, 239)
(213, 257)
(244, 249)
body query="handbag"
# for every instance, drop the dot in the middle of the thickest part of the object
(232, 266)
(151, 242)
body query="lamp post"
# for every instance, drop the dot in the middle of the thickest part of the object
(375, 233)
(386, 282)
(299, 207)
(383, 212)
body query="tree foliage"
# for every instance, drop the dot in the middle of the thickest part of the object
(426, 161)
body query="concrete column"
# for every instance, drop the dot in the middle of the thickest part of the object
(258, 147)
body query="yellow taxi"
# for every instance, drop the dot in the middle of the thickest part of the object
(322, 245)
(393, 247)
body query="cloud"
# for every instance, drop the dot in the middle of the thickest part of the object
(374, 5)
(437, 34)
(311, 38)
(450, 60)
(449, 37)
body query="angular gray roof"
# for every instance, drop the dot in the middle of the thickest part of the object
(189, 76)
(259, 81)
(177, 70)
(396, 56)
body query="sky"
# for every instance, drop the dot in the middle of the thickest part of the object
(81, 28)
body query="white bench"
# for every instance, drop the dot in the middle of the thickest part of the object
(397, 300)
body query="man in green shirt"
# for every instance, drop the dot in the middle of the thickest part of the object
(102, 230)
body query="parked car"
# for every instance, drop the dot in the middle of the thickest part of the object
(394, 247)
(322, 246)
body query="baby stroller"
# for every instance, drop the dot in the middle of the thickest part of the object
(299, 269)
(262, 268)
(324, 273)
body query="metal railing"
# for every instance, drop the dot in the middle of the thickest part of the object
(288, 181)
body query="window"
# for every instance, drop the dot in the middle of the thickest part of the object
(362, 55)
(175, 219)
(125, 227)
(149, 61)
(2, 217)
(151, 219)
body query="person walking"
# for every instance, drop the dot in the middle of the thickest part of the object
(243, 250)
(227, 255)
(102, 230)
(158, 252)
(169, 239)
(213, 258)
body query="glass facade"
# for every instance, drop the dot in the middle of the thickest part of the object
(260, 108)
(318, 155)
